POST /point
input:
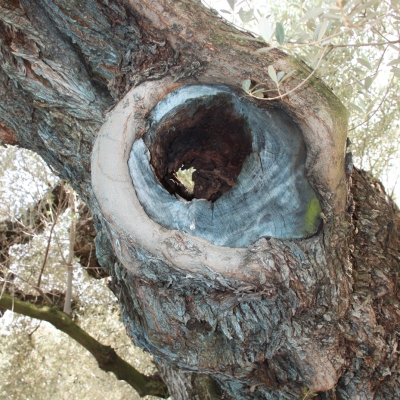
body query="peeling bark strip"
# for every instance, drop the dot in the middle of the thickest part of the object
(7, 136)
(270, 317)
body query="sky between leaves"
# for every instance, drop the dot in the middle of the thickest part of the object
(355, 46)
(36, 360)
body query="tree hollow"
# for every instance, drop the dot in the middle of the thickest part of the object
(205, 134)
(249, 180)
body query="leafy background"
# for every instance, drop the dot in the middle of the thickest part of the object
(355, 47)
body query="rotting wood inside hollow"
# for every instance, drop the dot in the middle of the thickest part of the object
(207, 135)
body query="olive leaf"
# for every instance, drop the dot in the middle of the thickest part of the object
(313, 13)
(280, 33)
(364, 62)
(232, 3)
(246, 85)
(246, 16)
(265, 29)
(272, 74)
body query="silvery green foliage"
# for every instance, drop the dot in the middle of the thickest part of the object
(355, 47)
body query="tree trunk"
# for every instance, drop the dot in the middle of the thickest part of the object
(276, 274)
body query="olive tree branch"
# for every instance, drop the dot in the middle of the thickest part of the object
(106, 357)
(302, 83)
(72, 230)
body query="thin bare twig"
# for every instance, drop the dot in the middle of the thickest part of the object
(377, 109)
(365, 44)
(46, 254)
(72, 231)
(11, 282)
(281, 96)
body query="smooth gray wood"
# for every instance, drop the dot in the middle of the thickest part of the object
(271, 198)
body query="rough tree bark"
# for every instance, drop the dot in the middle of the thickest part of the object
(278, 273)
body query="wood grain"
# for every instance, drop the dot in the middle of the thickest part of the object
(271, 197)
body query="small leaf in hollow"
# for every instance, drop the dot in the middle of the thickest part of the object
(272, 74)
(280, 33)
(326, 42)
(246, 85)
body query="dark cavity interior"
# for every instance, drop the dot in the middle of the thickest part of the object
(207, 134)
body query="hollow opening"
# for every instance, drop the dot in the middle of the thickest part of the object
(205, 136)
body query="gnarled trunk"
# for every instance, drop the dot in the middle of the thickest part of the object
(277, 272)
